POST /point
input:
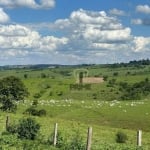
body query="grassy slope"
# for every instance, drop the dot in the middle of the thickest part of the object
(84, 110)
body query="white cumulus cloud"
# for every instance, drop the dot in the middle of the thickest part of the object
(3, 16)
(137, 21)
(117, 12)
(143, 9)
(42, 4)
(83, 37)
(19, 40)
(141, 44)
(96, 37)
(89, 30)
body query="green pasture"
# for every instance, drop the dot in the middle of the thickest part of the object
(76, 110)
(106, 118)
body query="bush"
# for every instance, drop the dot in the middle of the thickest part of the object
(115, 74)
(12, 128)
(25, 76)
(121, 137)
(50, 93)
(9, 140)
(31, 111)
(43, 75)
(135, 91)
(105, 77)
(34, 112)
(42, 112)
(76, 142)
(28, 129)
(61, 142)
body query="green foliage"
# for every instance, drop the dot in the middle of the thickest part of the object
(12, 128)
(28, 129)
(105, 77)
(42, 112)
(77, 142)
(80, 86)
(111, 83)
(25, 76)
(43, 75)
(121, 137)
(115, 74)
(8, 105)
(11, 89)
(81, 77)
(9, 139)
(37, 95)
(31, 111)
(35, 112)
(136, 91)
(113, 146)
(50, 93)
(61, 141)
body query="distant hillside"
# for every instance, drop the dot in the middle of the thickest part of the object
(43, 66)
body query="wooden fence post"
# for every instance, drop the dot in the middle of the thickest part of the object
(7, 122)
(55, 134)
(89, 139)
(139, 138)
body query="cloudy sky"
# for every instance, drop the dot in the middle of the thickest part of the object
(73, 31)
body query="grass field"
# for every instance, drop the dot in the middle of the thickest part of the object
(99, 107)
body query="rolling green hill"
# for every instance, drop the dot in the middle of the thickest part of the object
(121, 102)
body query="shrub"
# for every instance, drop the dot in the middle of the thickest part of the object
(115, 74)
(50, 93)
(28, 129)
(43, 75)
(31, 111)
(121, 137)
(76, 142)
(61, 142)
(12, 128)
(105, 77)
(9, 140)
(94, 95)
(25, 76)
(42, 112)
(34, 112)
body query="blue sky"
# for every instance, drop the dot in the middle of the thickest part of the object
(74, 32)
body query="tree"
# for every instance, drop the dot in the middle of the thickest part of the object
(121, 137)
(81, 77)
(25, 76)
(43, 75)
(12, 89)
(28, 129)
